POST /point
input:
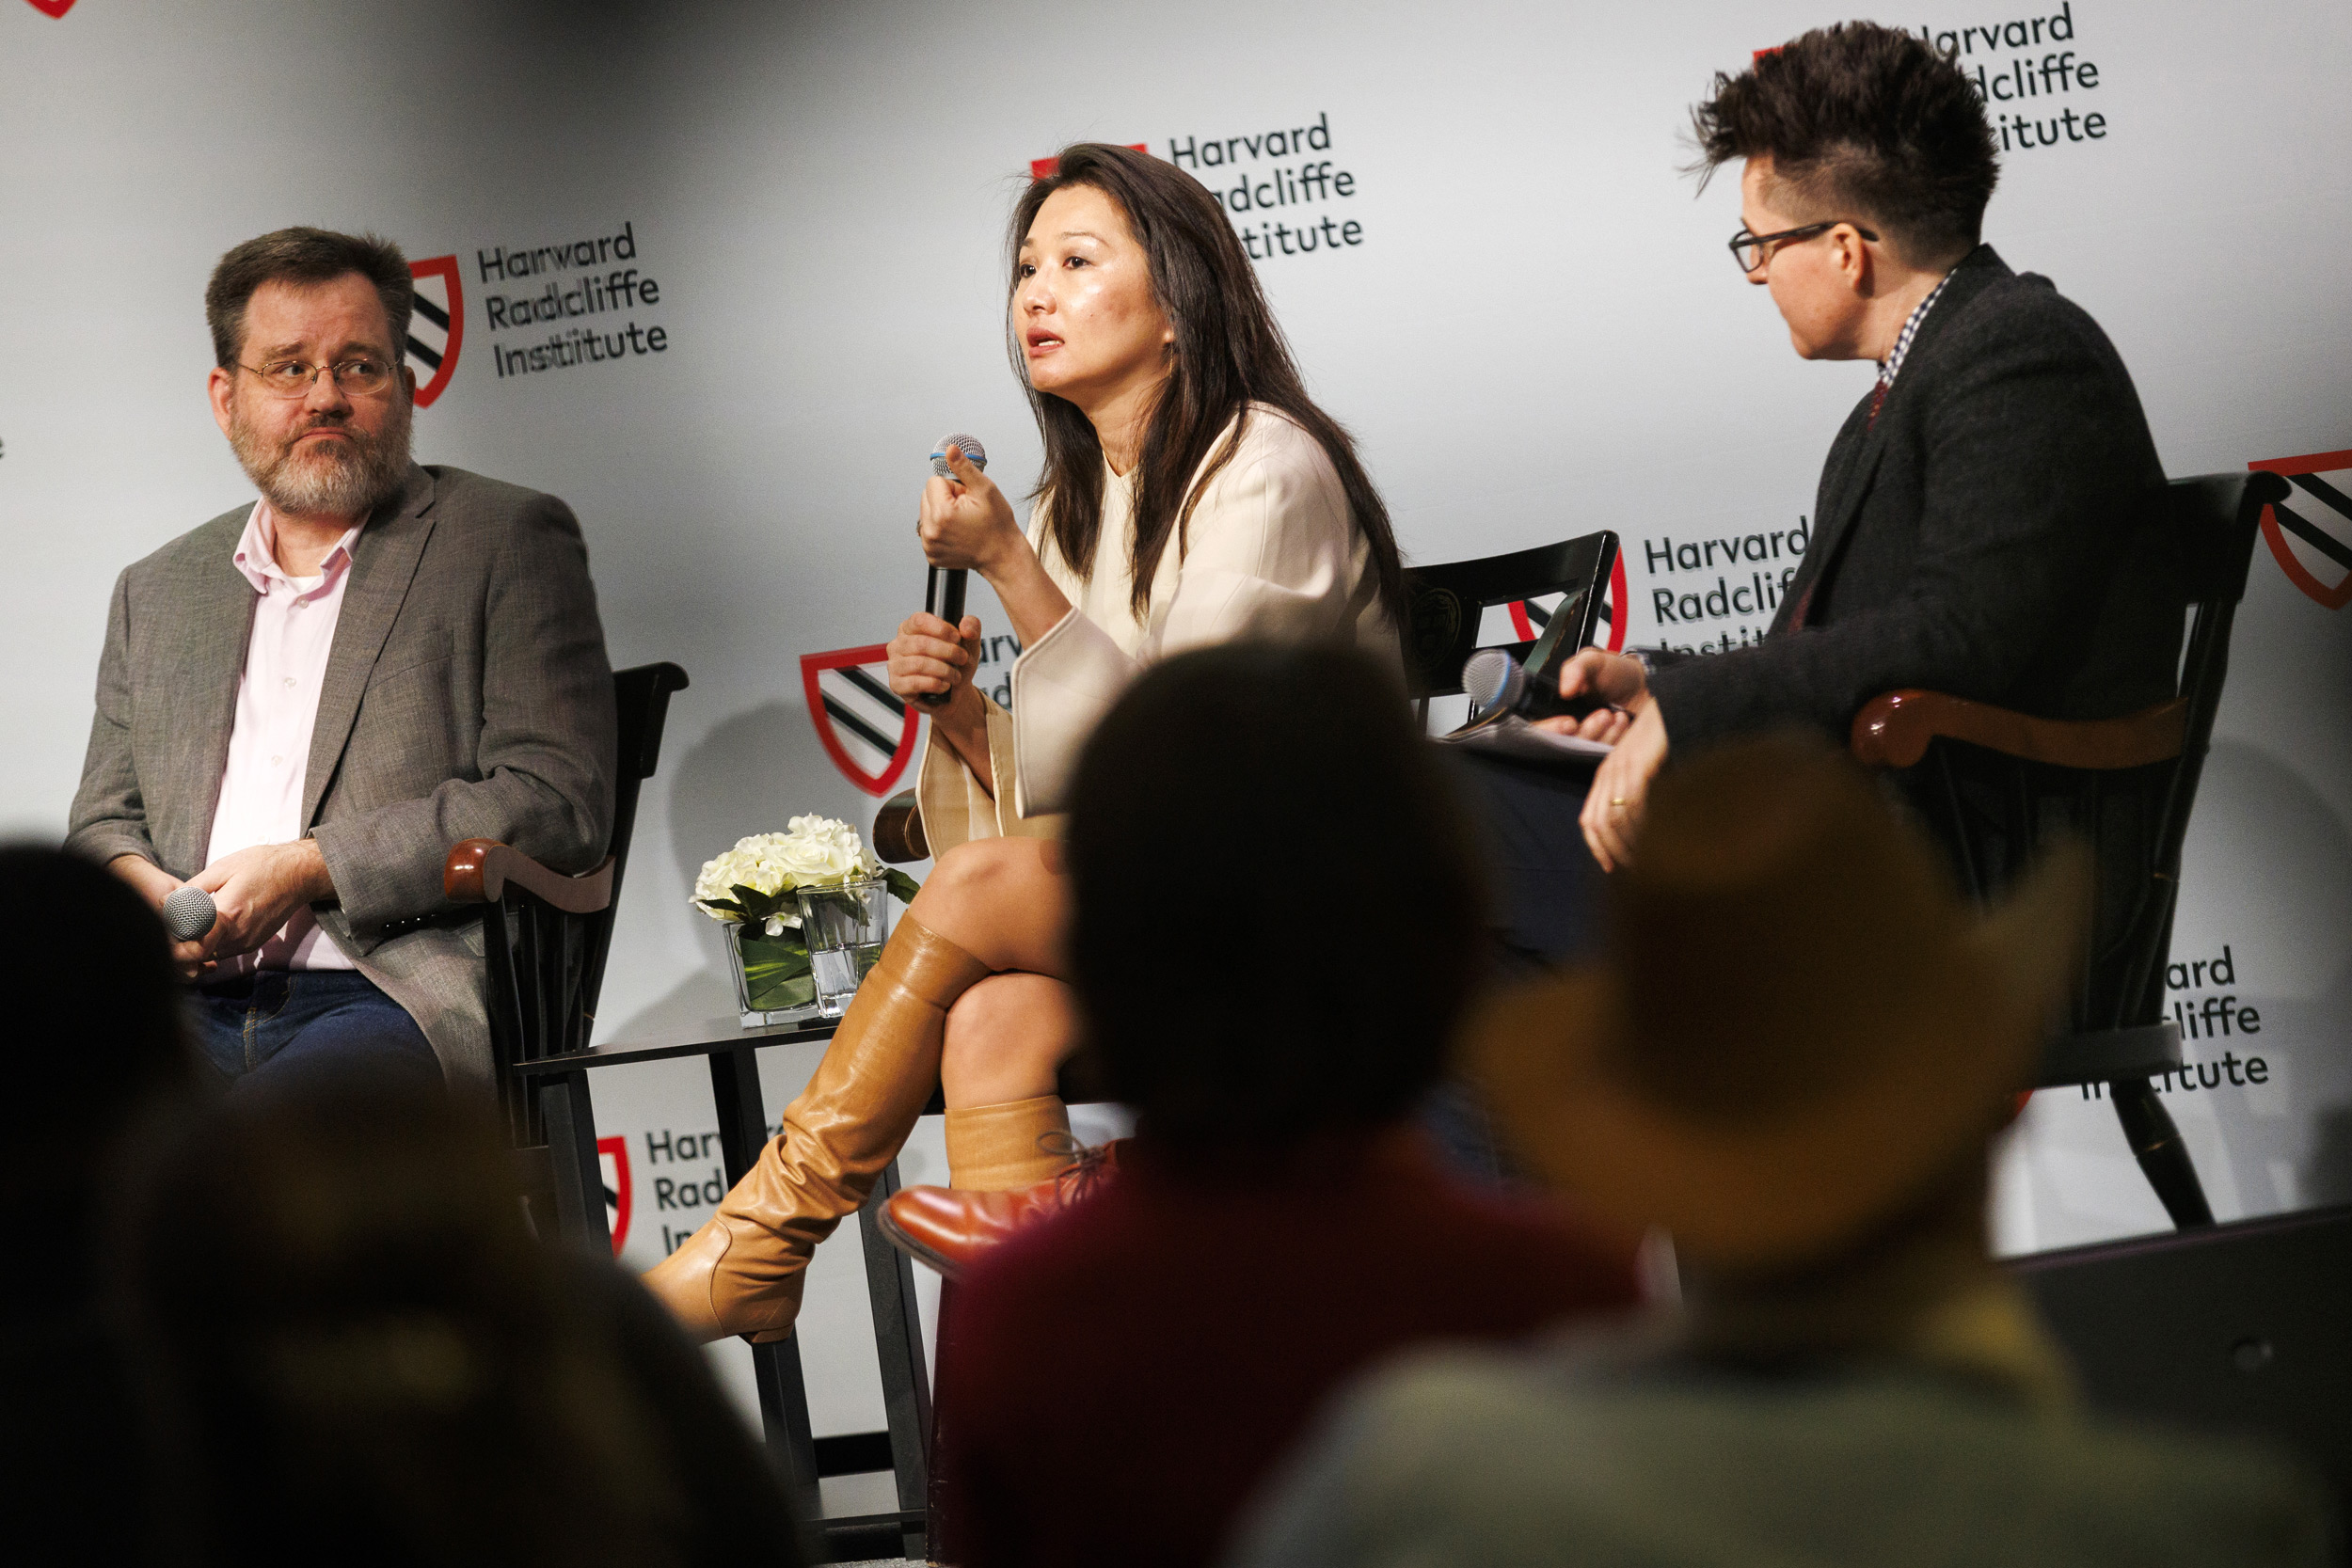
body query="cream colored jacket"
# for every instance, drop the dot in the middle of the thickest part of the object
(1270, 555)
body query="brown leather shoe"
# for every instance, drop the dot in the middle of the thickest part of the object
(948, 1227)
(741, 1272)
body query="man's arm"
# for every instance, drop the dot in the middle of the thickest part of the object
(2035, 451)
(109, 817)
(546, 748)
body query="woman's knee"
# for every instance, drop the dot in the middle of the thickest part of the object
(994, 895)
(1018, 1026)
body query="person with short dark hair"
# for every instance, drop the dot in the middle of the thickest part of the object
(1794, 1058)
(353, 1350)
(306, 702)
(1985, 519)
(1273, 989)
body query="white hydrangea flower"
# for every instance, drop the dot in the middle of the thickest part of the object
(818, 851)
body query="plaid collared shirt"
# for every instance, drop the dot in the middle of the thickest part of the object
(1894, 361)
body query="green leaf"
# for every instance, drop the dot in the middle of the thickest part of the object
(770, 994)
(903, 887)
(727, 904)
(760, 906)
(783, 955)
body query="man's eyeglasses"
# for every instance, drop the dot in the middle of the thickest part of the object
(1752, 250)
(361, 377)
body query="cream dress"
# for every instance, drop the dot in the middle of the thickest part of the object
(1270, 555)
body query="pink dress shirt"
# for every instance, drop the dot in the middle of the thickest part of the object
(278, 704)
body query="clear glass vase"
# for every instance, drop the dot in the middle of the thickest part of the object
(844, 927)
(772, 984)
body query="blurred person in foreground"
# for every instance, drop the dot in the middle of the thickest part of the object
(1193, 495)
(355, 1352)
(95, 1049)
(1793, 1057)
(1987, 519)
(305, 704)
(1273, 991)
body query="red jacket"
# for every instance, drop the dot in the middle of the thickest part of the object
(1115, 1385)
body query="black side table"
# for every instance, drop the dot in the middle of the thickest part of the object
(561, 1084)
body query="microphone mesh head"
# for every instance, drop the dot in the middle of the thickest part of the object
(188, 913)
(1492, 679)
(968, 445)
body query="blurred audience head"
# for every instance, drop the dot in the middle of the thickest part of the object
(1801, 1033)
(98, 1033)
(1277, 915)
(356, 1353)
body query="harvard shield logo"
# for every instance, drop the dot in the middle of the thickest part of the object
(867, 730)
(613, 1161)
(1046, 169)
(438, 329)
(1530, 616)
(2311, 538)
(53, 8)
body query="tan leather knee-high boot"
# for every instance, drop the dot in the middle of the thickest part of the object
(1002, 1148)
(741, 1272)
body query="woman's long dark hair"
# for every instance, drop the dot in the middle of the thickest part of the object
(1228, 354)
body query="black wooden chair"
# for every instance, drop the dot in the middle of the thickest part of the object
(1999, 786)
(1444, 604)
(545, 940)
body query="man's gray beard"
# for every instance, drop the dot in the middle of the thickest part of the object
(328, 480)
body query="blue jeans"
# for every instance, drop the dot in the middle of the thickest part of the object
(287, 1029)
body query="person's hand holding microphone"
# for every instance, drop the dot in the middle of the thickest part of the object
(1633, 725)
(963, 523)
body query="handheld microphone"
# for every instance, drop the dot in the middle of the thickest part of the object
(1494, 681)
(188, 913)
(947, 602)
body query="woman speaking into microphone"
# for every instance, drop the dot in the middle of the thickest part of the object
(1192, 494)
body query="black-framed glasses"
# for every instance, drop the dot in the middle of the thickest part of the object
(362, 376)
(1752, 250)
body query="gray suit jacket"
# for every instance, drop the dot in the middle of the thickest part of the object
(467, 696)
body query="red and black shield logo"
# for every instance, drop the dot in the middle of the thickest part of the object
(2312, 537)
(437, 330)
(867, 730)
(1530, 616)
(613, 1161)
(1046, 169)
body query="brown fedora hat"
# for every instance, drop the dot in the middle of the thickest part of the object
(1800, 1025)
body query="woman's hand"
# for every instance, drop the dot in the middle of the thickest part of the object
(933, 662)
(966, 522)
(928, 658)
(1612, 817)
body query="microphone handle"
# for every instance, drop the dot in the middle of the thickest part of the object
(947, 605)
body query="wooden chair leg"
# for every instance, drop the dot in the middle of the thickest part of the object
(2163, 1156)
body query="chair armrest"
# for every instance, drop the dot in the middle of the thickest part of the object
(1893, 731)
(898, 830)
(478, 870)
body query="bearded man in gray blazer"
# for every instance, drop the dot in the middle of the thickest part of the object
(306, 702)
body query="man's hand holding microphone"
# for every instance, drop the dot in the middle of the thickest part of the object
(234, 905)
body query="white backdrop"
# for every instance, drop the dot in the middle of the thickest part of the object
(1532, 327)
